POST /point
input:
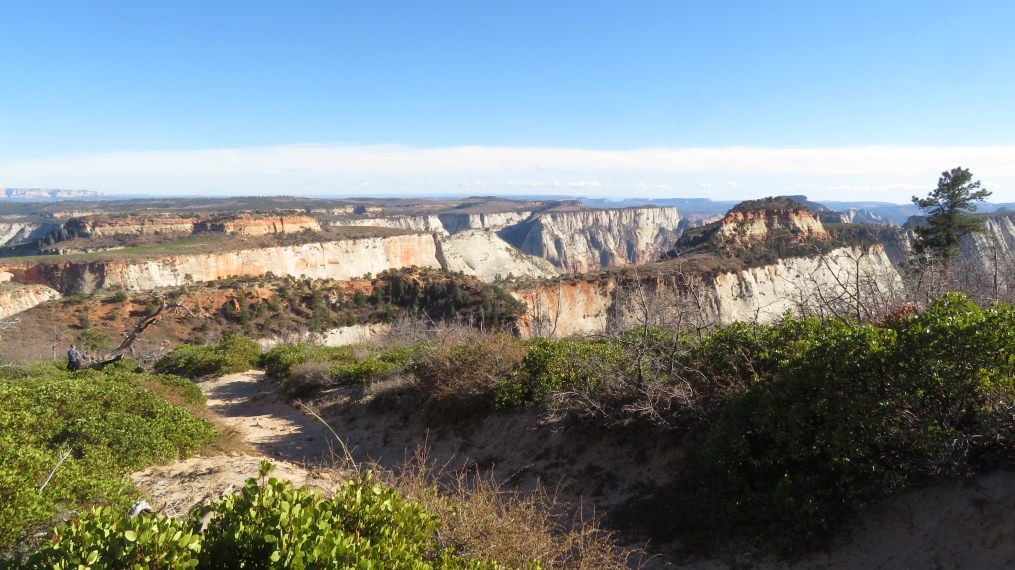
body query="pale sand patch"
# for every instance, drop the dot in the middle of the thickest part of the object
(299, 446)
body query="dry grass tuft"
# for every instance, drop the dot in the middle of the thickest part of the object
(481, 520)
(459, 376)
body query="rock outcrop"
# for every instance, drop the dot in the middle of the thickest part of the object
(88, 227)
(335, 260)
(457, 222)
(859, 216)
(484, 254)
(577, 241)
(16, 233)
(573, 240)
(414, 223)
(15, 298)
(752, 226)
(46, 194)
(800, 285)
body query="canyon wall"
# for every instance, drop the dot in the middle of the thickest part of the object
(91, 227)
(577, 241)
(803, 285)
(334, 260)
(484, 254)
(16, 233)
(570, 240)
(455, 222)
(994, 248)
(17, 298)
(414, 223)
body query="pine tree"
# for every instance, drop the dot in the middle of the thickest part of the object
(949, 215)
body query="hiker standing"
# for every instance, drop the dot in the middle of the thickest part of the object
(73, 358)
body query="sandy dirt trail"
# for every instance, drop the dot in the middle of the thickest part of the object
(273, 427)
(299, 445)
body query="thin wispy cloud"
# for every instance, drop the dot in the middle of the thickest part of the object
(305, 169)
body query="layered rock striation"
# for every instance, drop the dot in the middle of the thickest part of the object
(335, 260)
(802, 285)
(577, 241)
(17, 298)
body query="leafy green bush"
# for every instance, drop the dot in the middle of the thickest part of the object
(282, 360)
(360, 371)
(105, 539)
(233, 354)
(270, 526)
(551, 366)
(108, 424)
(854, 411)
(291, 364)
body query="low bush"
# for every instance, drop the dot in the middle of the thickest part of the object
(103, 425)
(482, 520)
(586, 367)
(304, 368)
(854, 412)
(269, 525)
(462, 377)
(233, 354)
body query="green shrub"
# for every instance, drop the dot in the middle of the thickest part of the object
(269, 526)
(233, 354)
(110, 423)
(361, 371)
(284, 358)
(92, 341)
(549, 366)
(305, 368)
(854, 411)
(105, 539)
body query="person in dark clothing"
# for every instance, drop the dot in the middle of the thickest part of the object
(73, 358)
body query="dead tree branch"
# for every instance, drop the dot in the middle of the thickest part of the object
(131, 337)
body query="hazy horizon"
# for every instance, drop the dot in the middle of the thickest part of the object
(727, 100)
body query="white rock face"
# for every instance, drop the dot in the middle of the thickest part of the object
(799, 285)
(994, 247)
(860, 216)
(18, 298)
(455, 223)
(484, 254)
(14, 233)
(335, 260)
(587, 240)
(414, 223)
(451, 223)
(354, 334)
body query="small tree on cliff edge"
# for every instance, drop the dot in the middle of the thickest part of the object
(949, 215)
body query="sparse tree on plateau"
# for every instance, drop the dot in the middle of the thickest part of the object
(949, 215)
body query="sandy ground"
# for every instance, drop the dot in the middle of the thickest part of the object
(299, 446)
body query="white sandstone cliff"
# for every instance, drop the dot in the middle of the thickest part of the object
(586, 240)
(800, 285)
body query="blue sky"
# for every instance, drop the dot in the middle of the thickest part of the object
(840, 100)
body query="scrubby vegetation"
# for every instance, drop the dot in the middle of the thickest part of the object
(233, 354)
(268, 525)
(67, 440)
(801, 424)
(304, 369)
(790, 429)
(285, 303)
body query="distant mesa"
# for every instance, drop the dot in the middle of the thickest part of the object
(46, 194)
